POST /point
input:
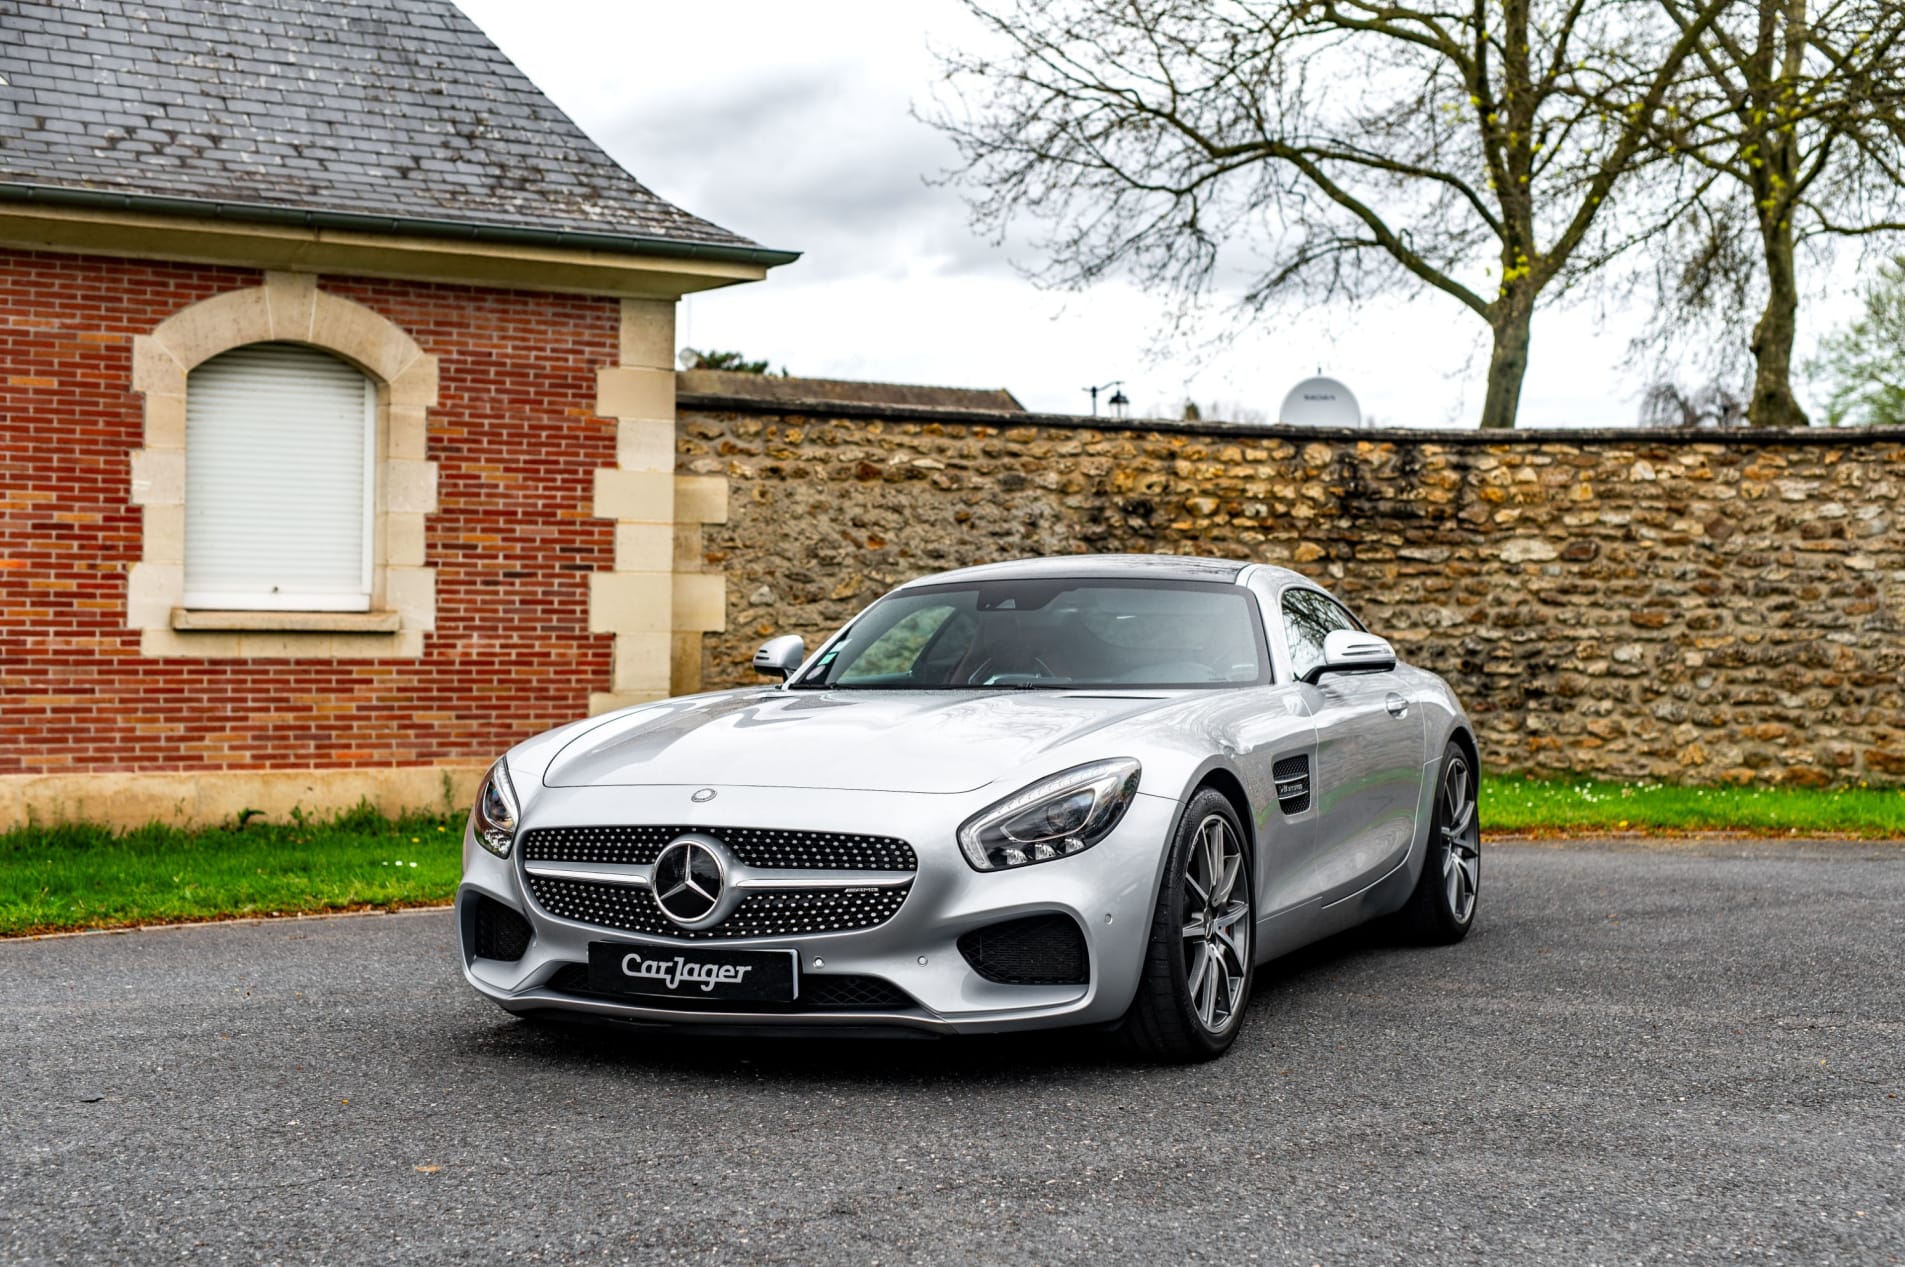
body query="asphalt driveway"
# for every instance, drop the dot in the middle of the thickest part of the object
(1639, 1056)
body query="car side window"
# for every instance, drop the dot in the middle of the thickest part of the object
(1308, 617)
(896, 652)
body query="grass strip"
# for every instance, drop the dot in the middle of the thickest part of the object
(74, 876)
(1516, 803)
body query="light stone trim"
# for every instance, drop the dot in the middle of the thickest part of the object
(634, 496)
(288, 307)
(701, 597)
(185, 618)
(701, 499)
(209, 797)
(165, 643)
(634, 394)
(656, 596)
(645, 445)
(701, 602)
(630, 602)
(644, 547)
(636, 654)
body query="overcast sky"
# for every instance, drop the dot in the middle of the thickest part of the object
(790, 123)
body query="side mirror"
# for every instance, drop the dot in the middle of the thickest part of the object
(1351, 651)
(780, 656)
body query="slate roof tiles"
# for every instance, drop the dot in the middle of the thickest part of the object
(388, 108)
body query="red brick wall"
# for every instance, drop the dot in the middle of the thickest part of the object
(513, 543)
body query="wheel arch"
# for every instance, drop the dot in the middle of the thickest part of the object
(1464, 738)
(1224, 781)
(1220, 778)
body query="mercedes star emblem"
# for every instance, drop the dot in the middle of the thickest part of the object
(689, 877)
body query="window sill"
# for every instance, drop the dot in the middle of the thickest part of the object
(185, 620)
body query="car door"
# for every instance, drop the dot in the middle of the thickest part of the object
(1368, 775)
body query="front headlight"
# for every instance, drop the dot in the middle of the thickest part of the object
(495, 814)
(1054, 818)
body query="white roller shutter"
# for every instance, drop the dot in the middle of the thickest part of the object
(279, 444)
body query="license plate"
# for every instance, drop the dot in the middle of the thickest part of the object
(760, 976)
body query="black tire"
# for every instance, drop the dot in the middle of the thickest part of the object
(1174, 1018)
(1442, 908)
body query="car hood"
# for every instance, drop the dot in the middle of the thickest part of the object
(893, 741)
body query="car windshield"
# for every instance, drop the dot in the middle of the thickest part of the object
(1048, 633)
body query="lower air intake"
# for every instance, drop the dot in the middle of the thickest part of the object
(1036, 950)
(496, 931)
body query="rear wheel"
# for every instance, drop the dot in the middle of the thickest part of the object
(1442, 908)
(1197, 964)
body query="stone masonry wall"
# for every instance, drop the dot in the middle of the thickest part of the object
(1693, 608)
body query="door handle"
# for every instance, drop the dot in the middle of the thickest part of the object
(1397, 706)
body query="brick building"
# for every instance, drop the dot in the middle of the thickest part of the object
(337, 410)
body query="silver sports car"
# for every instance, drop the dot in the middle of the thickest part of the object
(1096, 790)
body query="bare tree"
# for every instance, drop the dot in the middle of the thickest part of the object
(1715, 405)
(1357, 144)
(1800, 115)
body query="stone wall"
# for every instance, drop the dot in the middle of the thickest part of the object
(1687, 607)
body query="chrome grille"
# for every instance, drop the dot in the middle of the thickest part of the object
(775, 913)
(755, 846)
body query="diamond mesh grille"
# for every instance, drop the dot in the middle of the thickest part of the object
(1036, 950)
(856, 994)
(498, 932)
(754, 846)
(770, 914)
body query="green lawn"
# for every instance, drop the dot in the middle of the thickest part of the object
(1560, 806)
(69, 877)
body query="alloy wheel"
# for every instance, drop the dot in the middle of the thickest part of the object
(1216, 924)
(1461, 840)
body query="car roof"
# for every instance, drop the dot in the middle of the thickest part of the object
(1150, 567)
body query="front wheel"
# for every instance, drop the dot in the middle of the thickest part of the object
(1197, 965)
(1442, 908)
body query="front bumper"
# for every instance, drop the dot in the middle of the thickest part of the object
(1109, 890)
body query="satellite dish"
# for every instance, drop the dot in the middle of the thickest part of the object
(1320, 402)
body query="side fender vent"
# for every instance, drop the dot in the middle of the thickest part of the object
(1293, 783)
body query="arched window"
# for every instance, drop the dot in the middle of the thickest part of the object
(280, 456)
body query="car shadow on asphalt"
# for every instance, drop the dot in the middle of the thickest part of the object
(885, 1057)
